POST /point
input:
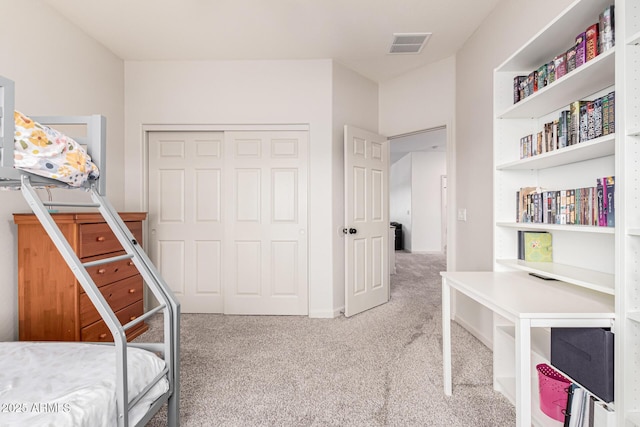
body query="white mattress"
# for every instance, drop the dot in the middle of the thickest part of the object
(71, 384)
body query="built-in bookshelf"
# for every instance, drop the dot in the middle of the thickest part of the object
(603, 260)
(628, 290)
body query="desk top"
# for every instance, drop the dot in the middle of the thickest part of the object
(518, 295)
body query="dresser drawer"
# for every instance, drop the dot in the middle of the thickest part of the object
(98, 331)
(118, 295)
(97, 239)
(112, 272)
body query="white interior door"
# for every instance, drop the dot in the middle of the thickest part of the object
(266, 230)
(186, 215)
(366, 159)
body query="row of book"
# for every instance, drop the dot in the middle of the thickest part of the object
(594, 206)
(583, 121)
(596, 39)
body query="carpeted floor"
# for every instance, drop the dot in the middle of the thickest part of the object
(382, 367)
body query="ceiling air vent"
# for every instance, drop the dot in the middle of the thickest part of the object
(408, 43)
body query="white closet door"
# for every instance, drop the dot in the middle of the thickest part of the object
(186, 216)
(266, 227)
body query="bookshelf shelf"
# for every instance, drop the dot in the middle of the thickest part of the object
(634, 131)
(590, 78)
(634, 232)
(593, 149)
(590, 279)
(634, 39)
(635, 316)
(556, 227)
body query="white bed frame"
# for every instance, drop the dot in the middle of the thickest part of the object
(169, 348)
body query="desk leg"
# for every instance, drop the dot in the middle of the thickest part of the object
(446, 336)
(523, 373)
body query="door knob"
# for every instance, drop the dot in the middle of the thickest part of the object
(352, 231)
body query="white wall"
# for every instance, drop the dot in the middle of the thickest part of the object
(57, 71)
(503, 32)
(355, 103)
(424, 99)
(244, 92)
(421, 99)
(426, 223)
(400, 197)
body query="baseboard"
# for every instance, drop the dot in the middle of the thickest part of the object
(427, 252)
(475, 332)
(326, 314)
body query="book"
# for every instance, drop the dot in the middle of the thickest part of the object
(612, 116)
(605, 115)
(583, 130)
(609, 185)
(574, 125)
(518, 93)
(541, 75)
(564, 123)
(602, 221)
(551, 72)
(591, 36)
(532, 82)
(581, 49)
(591, 127)
(560, 65)
(606, 27)
(597, 118)
(571, 59)
(538, 247)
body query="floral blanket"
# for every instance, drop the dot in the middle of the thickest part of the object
(44, 151)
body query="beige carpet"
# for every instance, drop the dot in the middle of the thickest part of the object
(379, 368)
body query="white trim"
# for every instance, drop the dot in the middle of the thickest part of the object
(326, 314)
(222, 127)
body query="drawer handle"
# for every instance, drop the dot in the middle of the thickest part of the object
(100, 239)
(132, 291)
(130, 263)
(102, 336)
(133, 317)
(102, 271)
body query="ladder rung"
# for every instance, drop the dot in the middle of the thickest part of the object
(72, 204)
(143, 317)
(107, 260)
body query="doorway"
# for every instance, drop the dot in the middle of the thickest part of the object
(418, 198)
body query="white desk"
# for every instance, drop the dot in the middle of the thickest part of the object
(528, 302)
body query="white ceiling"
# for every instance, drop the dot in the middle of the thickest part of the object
(356, 33)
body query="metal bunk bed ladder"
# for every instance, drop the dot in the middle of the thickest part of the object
(155, 282)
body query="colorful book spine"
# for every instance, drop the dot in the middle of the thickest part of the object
(612, 112)
(591, 42)
(602, 221)
(560, 63)
(597, 118)
(610, 192)
(606, 28)
(551, 72)
(591, 127)
(581, 49)
(571, 59)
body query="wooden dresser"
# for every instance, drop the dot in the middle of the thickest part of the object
(52, 306)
